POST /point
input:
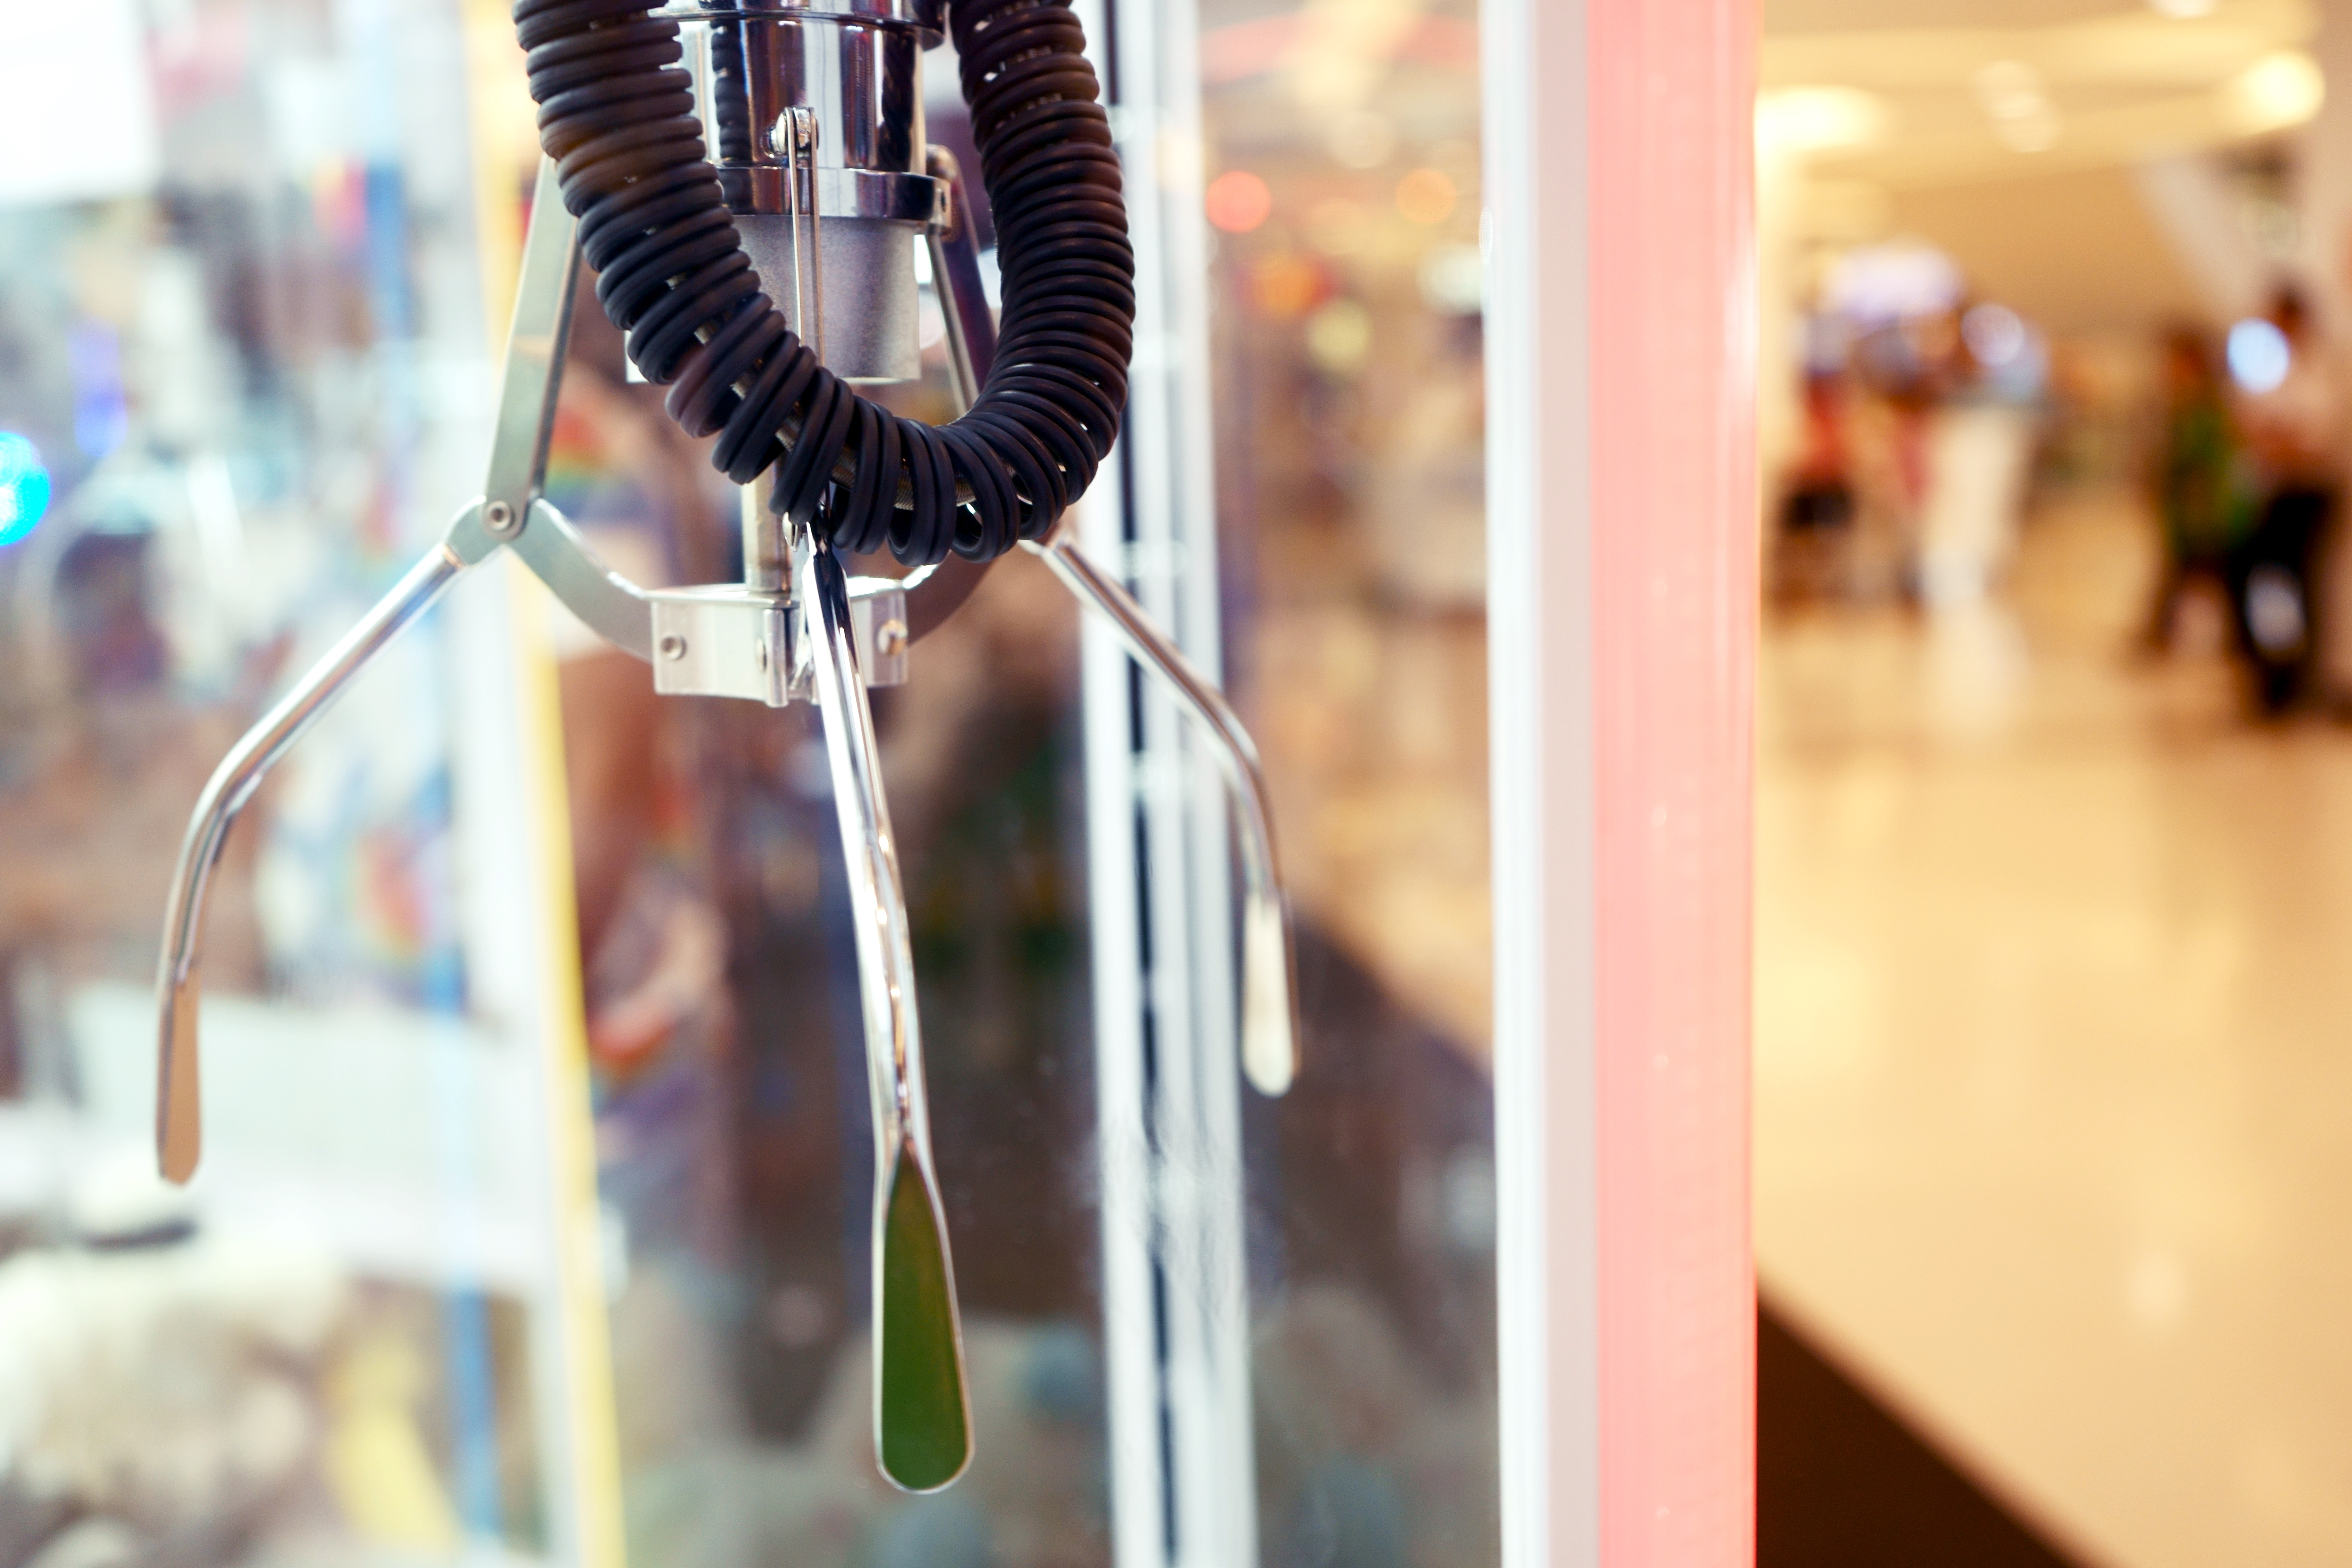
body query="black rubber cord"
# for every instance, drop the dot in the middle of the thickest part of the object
(616, 112)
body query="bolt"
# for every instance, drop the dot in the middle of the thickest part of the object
(499, 517)
(672, 645)
(890, 639)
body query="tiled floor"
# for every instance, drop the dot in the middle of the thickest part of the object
(2054, 1056)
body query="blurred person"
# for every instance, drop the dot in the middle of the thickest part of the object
(2290, 429)
(2197, 481)
(1880, 432)
(1983, 377)
(1816, 513)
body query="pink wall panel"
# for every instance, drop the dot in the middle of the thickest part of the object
(1673, 627)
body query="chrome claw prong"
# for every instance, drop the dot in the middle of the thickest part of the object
(922, 1421)
(179, 1125)
(1270, 968)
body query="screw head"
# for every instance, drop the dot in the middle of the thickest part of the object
(890, 639)
(499, 517)
(671, 645)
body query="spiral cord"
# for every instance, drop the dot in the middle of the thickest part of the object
(616, 113)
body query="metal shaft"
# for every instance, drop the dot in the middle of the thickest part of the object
(922, 1420)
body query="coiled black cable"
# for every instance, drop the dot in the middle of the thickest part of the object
(616, 112)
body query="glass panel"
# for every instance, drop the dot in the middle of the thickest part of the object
(243, 368)
(1341, 186)
(734, 1134)
(245, 324)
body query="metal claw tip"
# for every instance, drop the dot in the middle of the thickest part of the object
(1269, 1032)
(922, 1417)
(179, 1105)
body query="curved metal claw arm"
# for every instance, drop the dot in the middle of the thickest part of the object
(1269, 967)
(1269, 987)
(510, 514)
(922, 1411)
(179, 1121)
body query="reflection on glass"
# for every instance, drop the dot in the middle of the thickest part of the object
(242, 336)
(1342, 183)
(247, 351)
(733, 1120)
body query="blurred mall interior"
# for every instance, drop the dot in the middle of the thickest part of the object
(2054, 354)
(2050, 867)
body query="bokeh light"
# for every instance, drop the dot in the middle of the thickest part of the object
(24, 486)
(2277, 90)
(1286, 285)
(2258, 355)
(1453, 279)
(1425, 196)
(1238, 201)
(1995, 334)
(1339, 336)
(1818, 119)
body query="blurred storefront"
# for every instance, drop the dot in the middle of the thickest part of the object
(250, 307)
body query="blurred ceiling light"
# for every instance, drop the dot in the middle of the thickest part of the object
(1818, 119)
(1237, 201)
(2277, 90)
(1361, 138)
(2012, 95)
(1897, 281)
(2185, 10)
(1425, 197)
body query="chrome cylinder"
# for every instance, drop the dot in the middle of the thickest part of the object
(858, 64)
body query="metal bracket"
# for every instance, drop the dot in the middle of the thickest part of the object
(732, 641)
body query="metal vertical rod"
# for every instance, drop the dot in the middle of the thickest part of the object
(922, 1409)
